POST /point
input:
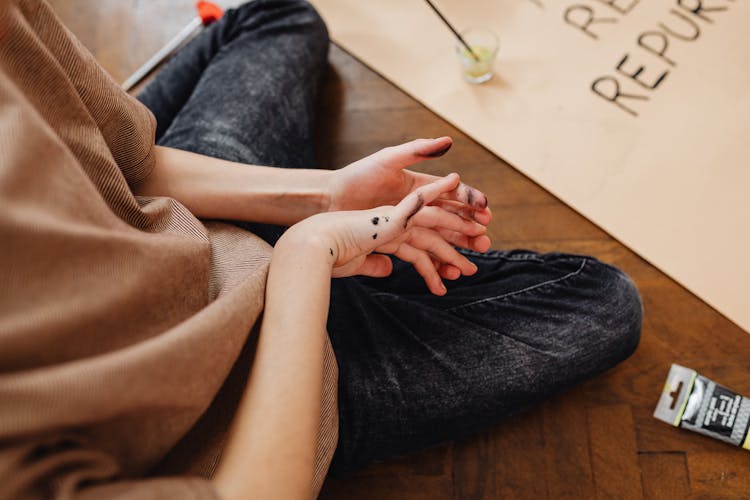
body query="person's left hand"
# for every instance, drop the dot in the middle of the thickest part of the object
(382, 179)
(358, 240)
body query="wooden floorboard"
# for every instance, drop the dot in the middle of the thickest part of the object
(598, 440)
(664, 475)
(567, 454)
(520, 460)
(614, 457)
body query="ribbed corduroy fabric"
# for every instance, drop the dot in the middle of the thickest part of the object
(121, 317)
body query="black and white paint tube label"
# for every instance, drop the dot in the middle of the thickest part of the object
(694, 402)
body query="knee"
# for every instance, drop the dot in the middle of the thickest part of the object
(616, 313)
(298, 16)
(302, 15)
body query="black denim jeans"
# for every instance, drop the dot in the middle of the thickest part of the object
(415, 369)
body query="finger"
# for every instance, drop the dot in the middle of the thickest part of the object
(432, 216)
(456, 239)
(376, 266)
(424, 267)
(446, 271)
(482, 216)
(432, 242)
(449, 272)
(413, 203)
(392, 244)
(412, 152)
(479, 243)
(464, 194)
(421, 178)
(470, 196)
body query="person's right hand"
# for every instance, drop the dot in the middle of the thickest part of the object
(412, 230)
(383, 178)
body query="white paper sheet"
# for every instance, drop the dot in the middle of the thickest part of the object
(666, 173)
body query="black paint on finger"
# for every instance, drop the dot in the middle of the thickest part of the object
(417, 207)
(474, 198)
(375, 221)
(469, 196)
(375, 236)
(438, 153)
(482, 202)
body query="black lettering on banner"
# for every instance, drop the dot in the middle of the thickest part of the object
(683, 23)
(583, 23)
(687, 38)
(699, 9)
(619, 8)
(635, 74)
(615, 95)
(661, 50)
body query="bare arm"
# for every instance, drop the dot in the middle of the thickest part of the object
(218, 189)
(271, 450)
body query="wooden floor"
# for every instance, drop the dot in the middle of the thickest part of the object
(596, 441)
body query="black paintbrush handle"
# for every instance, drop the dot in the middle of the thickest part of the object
(450, 26)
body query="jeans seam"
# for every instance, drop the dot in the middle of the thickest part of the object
(523, 290)
(493, 254)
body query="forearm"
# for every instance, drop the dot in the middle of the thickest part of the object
(271, 451)
(218, 189)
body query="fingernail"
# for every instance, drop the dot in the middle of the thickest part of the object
(483, 202)
(439, 152)
(476, 211)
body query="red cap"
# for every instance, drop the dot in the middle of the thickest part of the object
(209, 12)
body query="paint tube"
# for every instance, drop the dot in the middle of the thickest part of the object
(694, 402)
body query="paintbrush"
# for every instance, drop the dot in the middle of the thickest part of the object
(450, 27)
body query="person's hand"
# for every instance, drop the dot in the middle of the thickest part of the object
(411, 230)
(382, 179)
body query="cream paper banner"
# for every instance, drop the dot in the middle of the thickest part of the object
(635, 113)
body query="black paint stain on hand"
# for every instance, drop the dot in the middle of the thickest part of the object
(475, 198)
(331, 250)
(484, 202)
(375, 221)
(469, 195)
(375, 236)
(417, 207)
(387, 219)
(439, 152)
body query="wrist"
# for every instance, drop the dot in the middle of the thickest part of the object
(296, 195)
(315, 192)
(333, 190)
(305, 240)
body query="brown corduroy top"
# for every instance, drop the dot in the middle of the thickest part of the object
(121, 317)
